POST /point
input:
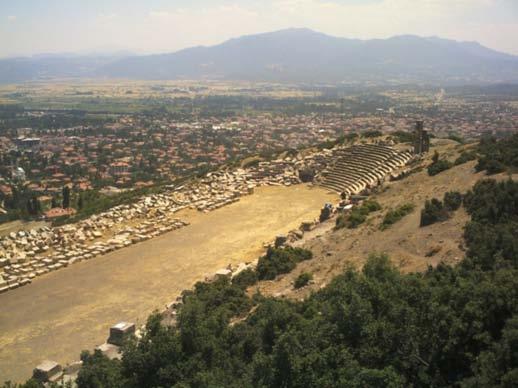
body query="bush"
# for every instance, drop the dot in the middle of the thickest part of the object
(280, 260)
(99, 371)
(434, 211)
(357, 216)
(497, 156)
(404, 136)
(452, 200)
(493, 166)
(371, 134)
(302, 280)
(465, 157)
(397, 214)
(371, 206)
(246, 278)
(491, 233)
(438, 167)
(455, 137)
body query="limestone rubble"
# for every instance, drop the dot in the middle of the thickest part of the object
(27, 254)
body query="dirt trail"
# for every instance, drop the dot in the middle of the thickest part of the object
(72, 309)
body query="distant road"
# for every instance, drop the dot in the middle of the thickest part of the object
(66, 311)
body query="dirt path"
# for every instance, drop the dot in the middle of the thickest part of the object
(66, 311)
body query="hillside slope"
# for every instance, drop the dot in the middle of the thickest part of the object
(410, 247)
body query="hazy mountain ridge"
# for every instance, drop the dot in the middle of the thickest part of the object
(293, 55)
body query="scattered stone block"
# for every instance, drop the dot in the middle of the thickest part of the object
(120, 333)
(47, 371)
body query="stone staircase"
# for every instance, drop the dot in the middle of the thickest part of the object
(362, 166)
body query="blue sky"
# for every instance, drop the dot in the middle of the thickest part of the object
(148, 26)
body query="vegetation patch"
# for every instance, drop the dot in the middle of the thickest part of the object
(491, 234)
(456, 137)
(464, 157)
(404, 136)
(452, 200)
(395, 215)
(278, 261)
(302, 280)
(438, 165)
(372, 134)
(439, 211)
(357, 215)
(498, 155)
(245, 278)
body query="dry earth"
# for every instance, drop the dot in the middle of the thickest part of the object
(66, 311)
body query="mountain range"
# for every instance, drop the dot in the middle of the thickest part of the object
(292, 55)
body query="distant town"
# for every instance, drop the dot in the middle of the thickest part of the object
(51, 162)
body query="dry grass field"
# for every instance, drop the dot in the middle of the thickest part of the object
(66, 311)
(67, 93)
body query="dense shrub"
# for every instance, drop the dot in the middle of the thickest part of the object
(491, 233)
(437, 211)
(404, 136)
(452, 200)
(99, 371)
(357, 215)
(438, 167)
(371, 134)
(434, 211)
(302, 280)
(455, 137)
(245, 278)
(465, 157)
(497, 156)
(397, 214)
(280, 260)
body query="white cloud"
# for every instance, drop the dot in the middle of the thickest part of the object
(11, 18)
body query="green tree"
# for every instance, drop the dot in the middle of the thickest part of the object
(434, 211)
(66, 197)
(302, 280)
(80, 202)
(99, 372)
(452, 200)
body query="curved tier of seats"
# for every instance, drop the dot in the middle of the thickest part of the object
(362, 166)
